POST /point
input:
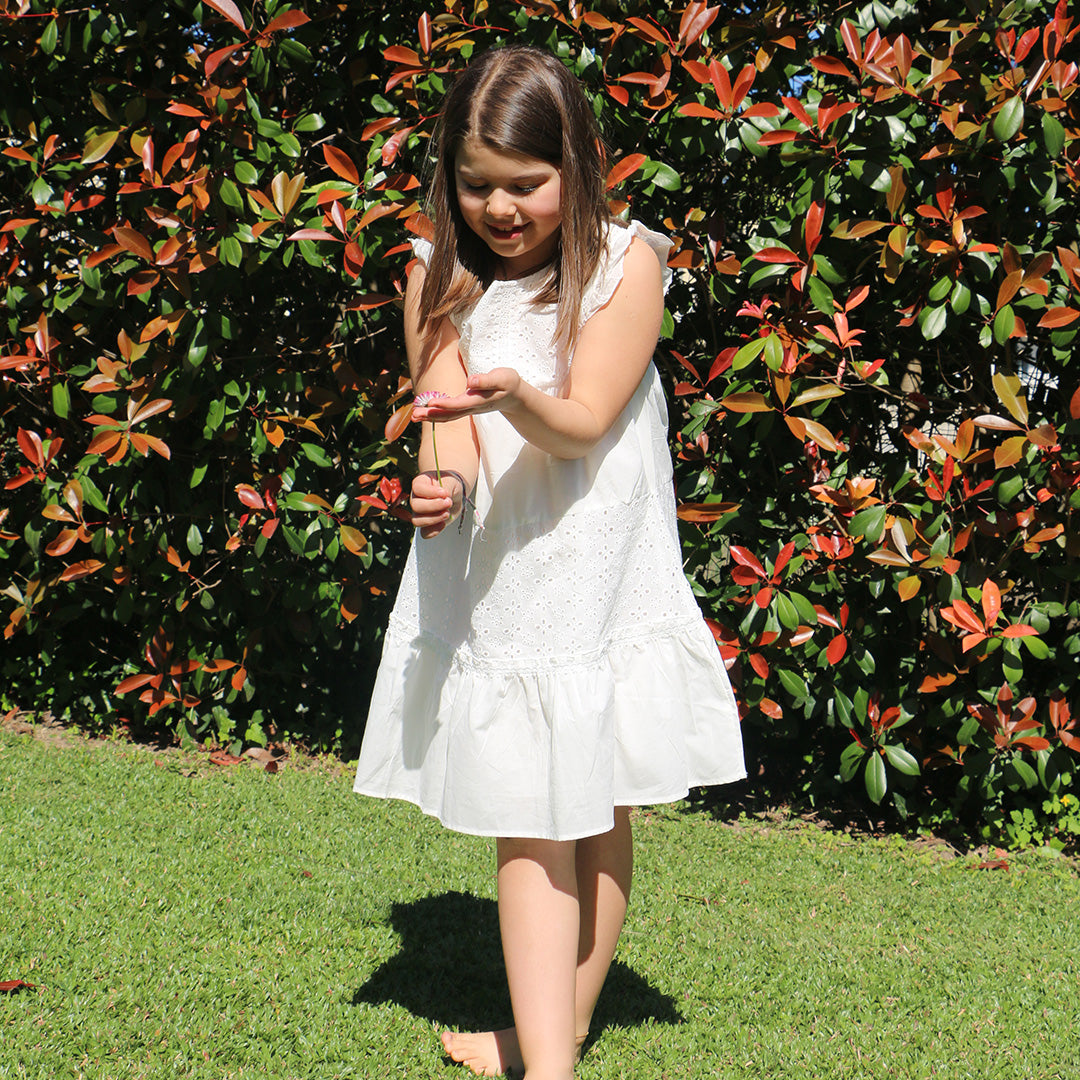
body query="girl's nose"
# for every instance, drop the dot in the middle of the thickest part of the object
(499, 203)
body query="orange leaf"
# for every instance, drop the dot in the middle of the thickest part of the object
(398, 422)
(705, 511)
(341, 163)
(81, 569)
(909, 586)
(991, 602)
(627, 166)
(134, 241)
(1059, 316)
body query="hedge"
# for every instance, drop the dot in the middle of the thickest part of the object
(869, 348)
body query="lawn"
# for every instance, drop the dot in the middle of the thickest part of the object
(179, 919)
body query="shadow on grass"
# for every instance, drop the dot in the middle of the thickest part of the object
(450, 970)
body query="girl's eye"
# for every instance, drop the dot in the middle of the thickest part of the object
(527, 189)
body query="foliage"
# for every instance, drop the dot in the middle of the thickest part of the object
(870, 357)
(215, 925)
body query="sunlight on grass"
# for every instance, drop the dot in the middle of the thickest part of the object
(182, 920)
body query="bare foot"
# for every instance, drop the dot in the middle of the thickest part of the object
(490, 1053)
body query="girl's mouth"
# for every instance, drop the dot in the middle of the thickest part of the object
(510, 233)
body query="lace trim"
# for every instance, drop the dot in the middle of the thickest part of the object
(670, 631)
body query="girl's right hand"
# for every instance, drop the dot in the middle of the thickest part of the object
(434, 505)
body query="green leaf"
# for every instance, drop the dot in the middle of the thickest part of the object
(1009, 119)
(876, 781)
(960, 300)
(940, 289)
(317, 455)
(773, 353)
(932, 321)
(229, 194)
(61, 400)
(1036, 646)
(821, 296)
(1004, 321)
(1053, 135)
(310, 122)
(786, 612)
(868, 523)
(48, 38)
(230, 250)
(664, 177)
(246, 173)
(748, 353)
(850, 760)
(792, 684)
(198, 344)
(194, 540)
(901, 760)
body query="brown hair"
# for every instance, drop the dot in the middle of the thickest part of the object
(518, 100)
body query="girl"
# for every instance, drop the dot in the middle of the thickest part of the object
(546, 666)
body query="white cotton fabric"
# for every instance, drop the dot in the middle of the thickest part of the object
(550, 662)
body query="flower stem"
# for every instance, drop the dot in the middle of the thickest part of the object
(435, 450)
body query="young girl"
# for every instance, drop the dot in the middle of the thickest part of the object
(546, 665)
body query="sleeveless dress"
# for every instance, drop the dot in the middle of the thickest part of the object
(549, 661)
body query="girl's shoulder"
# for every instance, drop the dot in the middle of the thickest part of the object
(622, 239)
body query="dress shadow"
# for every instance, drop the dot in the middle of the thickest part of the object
(449, 970)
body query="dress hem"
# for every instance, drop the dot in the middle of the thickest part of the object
(636, 800)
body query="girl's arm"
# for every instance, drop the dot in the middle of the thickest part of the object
(613, 351)
(435, 364)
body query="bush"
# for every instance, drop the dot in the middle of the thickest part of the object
(870, 360)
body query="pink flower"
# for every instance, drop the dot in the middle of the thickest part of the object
(427, 397)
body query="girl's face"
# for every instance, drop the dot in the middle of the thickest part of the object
(511, 202)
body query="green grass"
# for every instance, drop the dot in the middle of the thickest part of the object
(182, 920)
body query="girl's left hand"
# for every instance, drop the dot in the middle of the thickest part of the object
(497, 390)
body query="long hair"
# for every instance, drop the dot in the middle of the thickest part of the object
(518, 100)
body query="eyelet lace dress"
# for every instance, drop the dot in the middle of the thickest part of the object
(549, 661)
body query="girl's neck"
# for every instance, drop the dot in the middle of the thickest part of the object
(501, 273)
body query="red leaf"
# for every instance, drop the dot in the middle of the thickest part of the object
(771, 709)
(218, 57)
(230, 11)
(250, 497)
(781, 135)
(15, 984)
(776, 255)
(702, 111)
(423, 30)
(836, 649)
(748, 559)
(831, 66)
(313, 234)
(1020, 630)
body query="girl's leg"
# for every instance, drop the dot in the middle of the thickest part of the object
(602, 866)
(538, 921)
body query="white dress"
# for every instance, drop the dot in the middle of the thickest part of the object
(550, 662)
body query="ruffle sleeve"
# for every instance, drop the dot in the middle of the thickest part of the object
(422, 249)
(609, 273)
